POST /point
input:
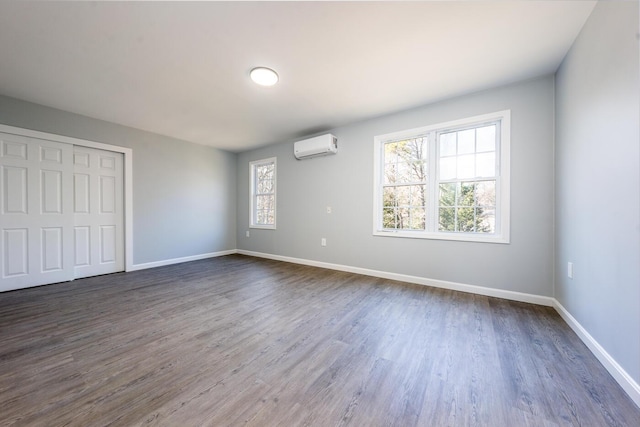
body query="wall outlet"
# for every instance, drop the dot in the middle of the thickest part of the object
(248, 234)
(570, 270)
(323, 242)
(328, 209)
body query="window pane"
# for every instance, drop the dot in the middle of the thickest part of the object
(408, 150)
(448, 144)
(448, 168)
(418, 171)
(466, 194)
(418, 195)
(486, 193)
(390, 155)
(466, 220)
(271, 217)
(265, 172)
(486, 138)
(466, 166)
(265, 186)
(405, 161)
(486, 164)
(466, 141)
(389, 218)
(486, 220)
(265, 202)
(403, 195)
(415, 149)
(404, 172)
(403, 218)
(448, 194)
(265, 217)
(417, 218)
(389, 197)
(447, 219)
(390, 173)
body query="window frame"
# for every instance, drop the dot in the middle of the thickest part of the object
(252, 193)
(502, 178)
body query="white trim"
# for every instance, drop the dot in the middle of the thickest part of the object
(128, 176)
(474, 289)
(154, 264)
(505, 176)
(627, 383)
(442, 235)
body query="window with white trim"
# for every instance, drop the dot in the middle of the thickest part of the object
(449, 181)
(263, 193)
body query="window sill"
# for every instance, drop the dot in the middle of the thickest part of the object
(263, 227)
(476, 238)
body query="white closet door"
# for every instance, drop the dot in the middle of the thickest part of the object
(36, 212)
(98, 206)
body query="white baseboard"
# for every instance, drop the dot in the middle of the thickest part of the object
(480, 290)
(146, 265)
(617, 372)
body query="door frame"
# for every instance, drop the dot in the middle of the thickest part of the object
(128, 177)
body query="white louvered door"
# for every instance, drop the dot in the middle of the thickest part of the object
(36, 218)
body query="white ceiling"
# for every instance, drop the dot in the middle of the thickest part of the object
(181, 69)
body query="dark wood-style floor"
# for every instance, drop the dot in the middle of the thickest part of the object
(242, 341)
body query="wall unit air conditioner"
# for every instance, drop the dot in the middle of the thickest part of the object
(316, 146)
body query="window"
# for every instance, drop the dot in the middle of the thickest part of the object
(449, 181)
(263, 193)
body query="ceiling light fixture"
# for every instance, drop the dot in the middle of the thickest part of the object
(264, 76)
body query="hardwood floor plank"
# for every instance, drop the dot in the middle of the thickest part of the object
(237, 340)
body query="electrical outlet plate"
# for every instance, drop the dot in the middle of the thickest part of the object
(323, 242)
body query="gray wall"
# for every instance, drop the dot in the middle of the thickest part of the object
(345, 182)
(598, 181)
(184, 194)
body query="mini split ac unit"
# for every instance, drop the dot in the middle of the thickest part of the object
(316, 146)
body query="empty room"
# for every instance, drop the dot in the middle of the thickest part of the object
(327, 213)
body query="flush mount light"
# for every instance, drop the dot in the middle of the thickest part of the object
(264, 76)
